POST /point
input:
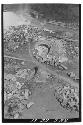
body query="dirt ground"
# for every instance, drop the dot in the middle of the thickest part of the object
(44, 104)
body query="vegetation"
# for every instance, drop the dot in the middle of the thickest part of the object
(58, 12)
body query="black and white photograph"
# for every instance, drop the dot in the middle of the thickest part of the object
(41, 63)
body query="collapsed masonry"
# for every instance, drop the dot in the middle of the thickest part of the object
(50, 52)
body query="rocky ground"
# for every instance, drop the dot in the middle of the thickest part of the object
(33, 89)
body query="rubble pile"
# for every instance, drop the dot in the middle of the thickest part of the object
(68, 97)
